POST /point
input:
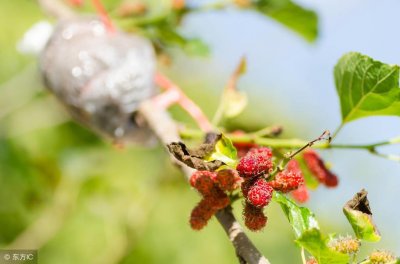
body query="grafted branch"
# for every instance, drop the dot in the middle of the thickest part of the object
(167, 131)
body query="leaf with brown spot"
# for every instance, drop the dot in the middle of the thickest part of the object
(194, 158)
(216, 151)
(359, 214)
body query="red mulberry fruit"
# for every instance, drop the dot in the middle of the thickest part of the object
(246, 184)
(201, 214)
(228, 180)
(217, 199)
(287, 181)
(254, 217)
(260, 193)
(203, 181)
(318, 169)
(301, 195)
(256, 162)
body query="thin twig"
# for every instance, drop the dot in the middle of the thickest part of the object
(271, 131)
(338, 129)
(167, 131)
(325, 135)
(289, 143)
(385, 156)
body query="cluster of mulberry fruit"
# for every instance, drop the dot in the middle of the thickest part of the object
(253, 168)
(213, 187)
(256, 175)
(257, 188)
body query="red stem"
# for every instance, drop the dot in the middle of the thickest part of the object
(174, 94)
(76, 3)
(104, 15)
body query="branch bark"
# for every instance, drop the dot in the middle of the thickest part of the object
(166, 130)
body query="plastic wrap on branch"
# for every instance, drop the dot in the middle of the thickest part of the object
(100, 76)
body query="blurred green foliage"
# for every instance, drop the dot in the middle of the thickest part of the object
(302, 21)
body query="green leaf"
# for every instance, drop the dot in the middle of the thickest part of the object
(313, 241)
(171, 37)
(300, 218)
(224, 151)
(366, 87)
(300, 20)
(307, 232)
(359, 214)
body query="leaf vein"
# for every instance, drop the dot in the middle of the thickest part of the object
(368, 93)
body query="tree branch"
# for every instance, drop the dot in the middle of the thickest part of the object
(166, 130)
(56, 9)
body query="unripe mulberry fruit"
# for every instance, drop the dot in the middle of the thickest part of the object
(260, 193)
(256, 162)
(228, 180)
(203, 181)
(201, 214)
(346, 245)
(254, 217)
(382, 257)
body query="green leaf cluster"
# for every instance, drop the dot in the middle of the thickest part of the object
(161, 23)
(309, 236)
(307, 232)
